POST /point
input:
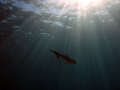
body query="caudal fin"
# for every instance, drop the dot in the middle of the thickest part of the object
(51, 50)
(56, 53)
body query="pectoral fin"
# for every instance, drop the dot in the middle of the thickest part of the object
(65, 63)
(57, 56)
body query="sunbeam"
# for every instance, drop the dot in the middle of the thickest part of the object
(79, 3)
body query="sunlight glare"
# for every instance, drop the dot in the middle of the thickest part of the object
(85, 3)
(88, 2)
(79, 5)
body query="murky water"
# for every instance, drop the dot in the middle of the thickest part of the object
(87, 33)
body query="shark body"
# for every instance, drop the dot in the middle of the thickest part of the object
(65, 57)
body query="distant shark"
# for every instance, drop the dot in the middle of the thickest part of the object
(66, 58)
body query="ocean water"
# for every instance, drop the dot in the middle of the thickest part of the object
(88, 32)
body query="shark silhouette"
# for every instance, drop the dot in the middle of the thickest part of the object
(65, 57)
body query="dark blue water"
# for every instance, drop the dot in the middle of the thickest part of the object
(28, 35)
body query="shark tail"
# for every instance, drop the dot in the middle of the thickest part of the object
(56, 53)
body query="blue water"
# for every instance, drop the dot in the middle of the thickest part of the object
(28, 31)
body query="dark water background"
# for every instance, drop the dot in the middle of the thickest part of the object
(26, 62)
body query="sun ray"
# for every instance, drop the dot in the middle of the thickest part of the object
(79, 5)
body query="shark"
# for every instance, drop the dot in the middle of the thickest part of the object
(65, 57)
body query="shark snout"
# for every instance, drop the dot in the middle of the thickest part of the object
(73, 62)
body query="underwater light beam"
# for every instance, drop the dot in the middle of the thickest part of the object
(79, 5)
